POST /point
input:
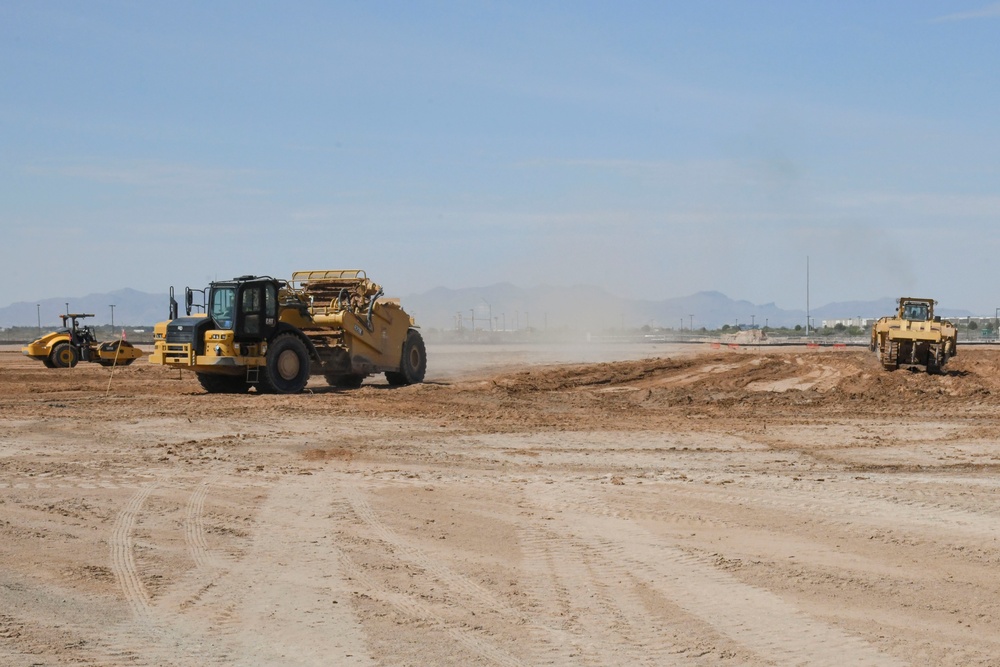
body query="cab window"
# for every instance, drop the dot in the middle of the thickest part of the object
(271, 301)
(915, 312)
(223, 300)
(251, 308)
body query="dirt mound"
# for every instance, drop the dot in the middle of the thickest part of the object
(748, 337)
(581, 396)
(833, 380)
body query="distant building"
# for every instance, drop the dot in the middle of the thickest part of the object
(867, 322)
(847, 323)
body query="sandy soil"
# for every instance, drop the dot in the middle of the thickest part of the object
(678, 506)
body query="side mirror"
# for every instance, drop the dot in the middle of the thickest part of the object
(173, 305)
(188, 299)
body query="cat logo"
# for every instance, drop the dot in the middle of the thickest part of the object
(359, 330)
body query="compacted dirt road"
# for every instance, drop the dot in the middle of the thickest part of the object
(680, 506)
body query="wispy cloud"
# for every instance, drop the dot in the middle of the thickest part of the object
(151, 175)
(990, 11)
(925, 205)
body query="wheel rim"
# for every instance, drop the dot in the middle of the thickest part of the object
(414, 358)
(288, 365)
(65, 357)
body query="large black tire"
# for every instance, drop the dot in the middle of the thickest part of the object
(64, 355)
(223, 384)
(413, 364)
(344, 381)
(287, 365)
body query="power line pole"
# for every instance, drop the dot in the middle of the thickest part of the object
(807, 296)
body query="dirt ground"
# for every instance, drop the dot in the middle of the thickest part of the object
(646, 506)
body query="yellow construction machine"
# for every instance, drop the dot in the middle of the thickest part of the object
(64, 347)
(914, 337)
(258, 331)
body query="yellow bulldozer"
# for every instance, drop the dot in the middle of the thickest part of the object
(65, 347)
(914, 337)
(272, 335)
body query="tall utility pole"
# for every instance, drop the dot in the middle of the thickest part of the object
(807, 295)
(489, 307)
(38, 311)
(690, 322)
(112, 315)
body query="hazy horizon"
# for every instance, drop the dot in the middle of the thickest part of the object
(502, 304)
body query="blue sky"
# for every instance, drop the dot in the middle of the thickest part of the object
(656, 149)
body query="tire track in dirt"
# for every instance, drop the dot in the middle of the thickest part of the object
(123, 559)
(543, 577)
(840, 507)
(567, 581)
(288, 597)
(603, 621)
(271, 607)
(744, 613)
(481, 597)
(194, 528)
(193, 592)
(559, 637)
(424, 613)
(159, 634)
(567, 633)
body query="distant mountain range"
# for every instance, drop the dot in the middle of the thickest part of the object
(501, 306)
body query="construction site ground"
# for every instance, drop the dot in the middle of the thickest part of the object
(599, 505)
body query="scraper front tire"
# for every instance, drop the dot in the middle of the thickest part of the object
(287, 365)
